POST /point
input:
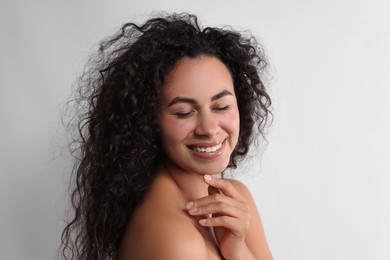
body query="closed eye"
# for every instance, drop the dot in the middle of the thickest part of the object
(184, 114)
(224, 108)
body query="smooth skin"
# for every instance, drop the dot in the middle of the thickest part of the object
(188, 213)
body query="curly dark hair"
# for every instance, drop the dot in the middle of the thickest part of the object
(118, 148)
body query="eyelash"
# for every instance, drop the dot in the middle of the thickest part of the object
(184, 115)
(188, 114)
(222, 108)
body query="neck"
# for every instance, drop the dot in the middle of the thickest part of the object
(190, 184)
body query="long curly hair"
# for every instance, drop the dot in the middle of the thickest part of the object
(118, 150)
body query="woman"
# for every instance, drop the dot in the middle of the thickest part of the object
(169, 106)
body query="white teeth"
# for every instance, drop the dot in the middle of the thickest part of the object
(208, 149)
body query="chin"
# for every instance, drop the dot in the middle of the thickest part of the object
(212, 170)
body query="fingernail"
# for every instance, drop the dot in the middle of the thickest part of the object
(207, 178)
(189, 205)
(193, 210)
(202, 221)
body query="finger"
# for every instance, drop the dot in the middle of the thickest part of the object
(219, 208)
(223, 185)
(219, 200)
(237, 227)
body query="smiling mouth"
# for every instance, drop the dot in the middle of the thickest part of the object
(209, 149)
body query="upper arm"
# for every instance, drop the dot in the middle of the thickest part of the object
(177, 242)
(255, 238)
(166, 238)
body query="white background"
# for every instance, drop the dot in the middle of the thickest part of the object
(322, 185)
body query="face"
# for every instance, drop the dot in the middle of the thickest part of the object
(199, 117)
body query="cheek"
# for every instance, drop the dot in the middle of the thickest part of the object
(232, 122)
(236, 121)
(174, 130)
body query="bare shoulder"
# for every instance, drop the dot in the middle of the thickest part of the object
(163, 236)
(241, 188)
(255, 238)
(244, 191)
(160, 229)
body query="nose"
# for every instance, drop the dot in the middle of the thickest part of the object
(207, 124)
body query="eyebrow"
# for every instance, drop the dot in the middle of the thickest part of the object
(193, 101)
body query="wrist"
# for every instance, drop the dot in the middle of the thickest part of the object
(243, 253)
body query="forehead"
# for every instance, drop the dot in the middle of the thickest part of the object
(198, 78)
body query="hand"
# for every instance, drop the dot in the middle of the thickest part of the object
(230, 216)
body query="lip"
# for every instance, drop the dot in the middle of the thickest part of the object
(210, 155)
